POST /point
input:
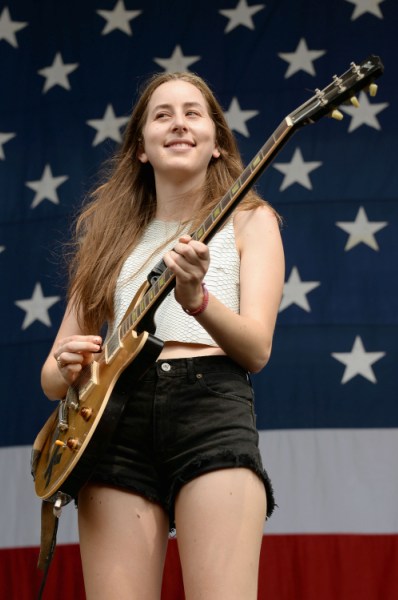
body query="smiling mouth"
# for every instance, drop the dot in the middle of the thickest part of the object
(180, 144)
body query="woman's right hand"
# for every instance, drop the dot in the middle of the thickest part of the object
(73, 353)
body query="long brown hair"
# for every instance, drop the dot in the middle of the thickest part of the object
(112, 221)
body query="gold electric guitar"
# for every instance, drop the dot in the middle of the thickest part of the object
(71, 442)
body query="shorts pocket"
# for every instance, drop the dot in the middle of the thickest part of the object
(227, 385)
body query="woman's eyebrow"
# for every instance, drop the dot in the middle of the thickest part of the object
(170, 106)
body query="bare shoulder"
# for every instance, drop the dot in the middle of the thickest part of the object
(256, 222)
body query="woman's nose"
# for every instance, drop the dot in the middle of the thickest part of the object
(179, 122)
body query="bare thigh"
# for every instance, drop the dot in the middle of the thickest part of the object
(220, 519)
(123, 541)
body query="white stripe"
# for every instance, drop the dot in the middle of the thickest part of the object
(333, 480)
(326, 481)
(20, 514)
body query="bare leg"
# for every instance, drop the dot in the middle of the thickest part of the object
(123, 541)
(220, 518)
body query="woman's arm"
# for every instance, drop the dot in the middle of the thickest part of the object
(247, 337)
(70, 352)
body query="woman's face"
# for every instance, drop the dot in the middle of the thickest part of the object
(179, 134)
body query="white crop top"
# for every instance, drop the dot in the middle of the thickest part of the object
(172, 323)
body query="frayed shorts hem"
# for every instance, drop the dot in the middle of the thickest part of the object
(199, 467)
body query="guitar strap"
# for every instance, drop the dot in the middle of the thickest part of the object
(49, 516)
(48, 540)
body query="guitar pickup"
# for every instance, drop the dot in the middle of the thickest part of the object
(88, 383)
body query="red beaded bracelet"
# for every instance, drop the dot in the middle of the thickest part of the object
(202, 307)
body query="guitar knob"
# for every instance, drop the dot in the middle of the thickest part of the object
(336, 114)
(86, 413)
(373, 89)
(354, 101)
(73, 443)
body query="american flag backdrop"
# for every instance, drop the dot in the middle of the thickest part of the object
(327, 405)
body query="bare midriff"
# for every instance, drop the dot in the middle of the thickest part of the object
(180, 350)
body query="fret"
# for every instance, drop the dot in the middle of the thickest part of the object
(209, 221)
(128, 322)
(235, 187)
(122, 328)
(216, 212)
(200, 232)
(112, 346)
(255, 162)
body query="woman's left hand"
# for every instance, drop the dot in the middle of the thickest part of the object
(189, 260)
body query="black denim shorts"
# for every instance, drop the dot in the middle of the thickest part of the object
(185, 417)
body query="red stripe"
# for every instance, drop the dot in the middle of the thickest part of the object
(293, 567)
(329, 567)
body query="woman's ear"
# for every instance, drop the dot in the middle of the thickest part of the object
(141, 155)
(216, 153)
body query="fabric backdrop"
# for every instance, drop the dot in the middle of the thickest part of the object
(327, 402)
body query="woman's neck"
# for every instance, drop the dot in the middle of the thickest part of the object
(177, 200)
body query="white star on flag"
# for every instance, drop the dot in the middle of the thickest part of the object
(241, 15)
(361, 230)
(297, 171)
(365, 114)
(236, 117)
(366, 6)
(36, 307)
(46, 187)
(8, 28)
(301, 59)
(57, 73)
(358, 361)
(108, 127)
(2, 248)
(295, 291)
(177, 61)
(4, 138)
(118, 18)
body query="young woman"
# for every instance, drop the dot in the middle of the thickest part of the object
(185, 452)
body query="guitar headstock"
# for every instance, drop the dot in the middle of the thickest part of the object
(342, 89)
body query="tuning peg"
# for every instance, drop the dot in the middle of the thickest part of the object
(373, 89)
(336, 114)
(354, 101)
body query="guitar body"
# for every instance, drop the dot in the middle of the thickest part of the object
(88, 417)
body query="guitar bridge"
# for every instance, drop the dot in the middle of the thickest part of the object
(72, 399)
(63, 424)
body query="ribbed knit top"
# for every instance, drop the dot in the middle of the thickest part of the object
(172, 323)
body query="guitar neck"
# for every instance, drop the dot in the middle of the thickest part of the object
(157, 292)
(246, 180)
